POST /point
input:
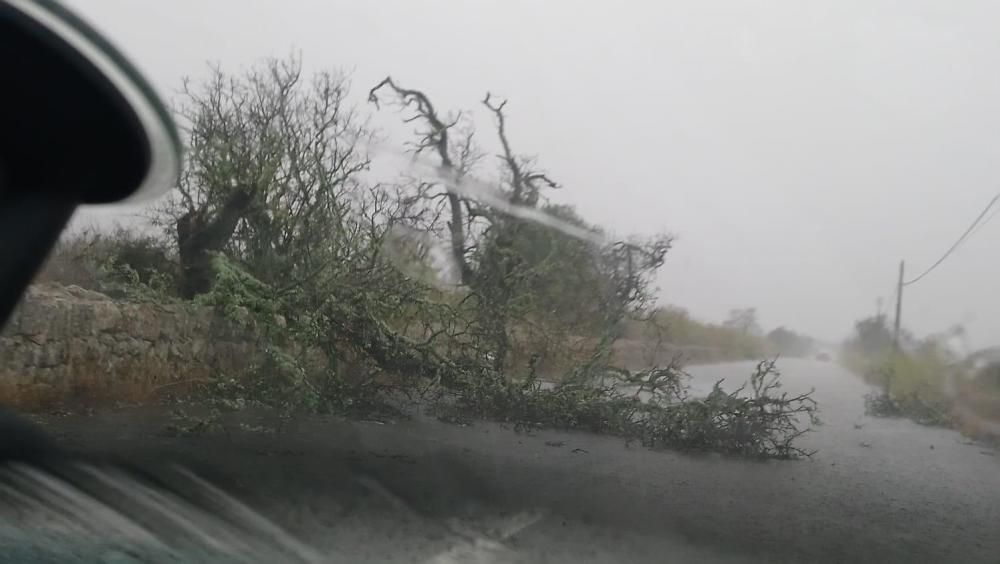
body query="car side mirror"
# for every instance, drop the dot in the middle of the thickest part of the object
(78, 125)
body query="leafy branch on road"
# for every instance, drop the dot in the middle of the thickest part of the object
(653, 407)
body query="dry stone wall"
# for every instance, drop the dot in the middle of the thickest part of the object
(71, 346)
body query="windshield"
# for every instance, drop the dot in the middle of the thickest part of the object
(532, 282)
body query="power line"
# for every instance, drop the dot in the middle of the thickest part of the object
(985, 221)
(960, 240)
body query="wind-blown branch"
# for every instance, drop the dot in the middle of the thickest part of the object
(437, 138)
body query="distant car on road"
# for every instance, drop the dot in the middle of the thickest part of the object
(823, 357)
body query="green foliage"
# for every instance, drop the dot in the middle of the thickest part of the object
(788, 343)
(988, 377)
(237, 294)
(756, 420)
(652, 407)
(283, 381)
(912, 385)
(676, 326)
(911, 379)
(567, 281)
(872, 337)
(743, 320)
(120, 262)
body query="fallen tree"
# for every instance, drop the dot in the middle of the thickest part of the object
(276, 215)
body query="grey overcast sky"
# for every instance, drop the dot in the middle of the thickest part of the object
(797, 149)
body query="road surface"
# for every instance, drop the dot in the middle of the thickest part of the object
(422, 491)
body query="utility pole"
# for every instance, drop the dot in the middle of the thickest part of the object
(899, 308)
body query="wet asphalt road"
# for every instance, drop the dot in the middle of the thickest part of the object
(422, 491)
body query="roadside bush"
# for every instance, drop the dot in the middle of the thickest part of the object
(988, 378)
(115, 261)
(980, 392)
(675, 326)
(919, 374)
(911, 382)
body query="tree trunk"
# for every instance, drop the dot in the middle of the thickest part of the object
(199, 237)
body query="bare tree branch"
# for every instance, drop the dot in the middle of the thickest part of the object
(436, 137)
